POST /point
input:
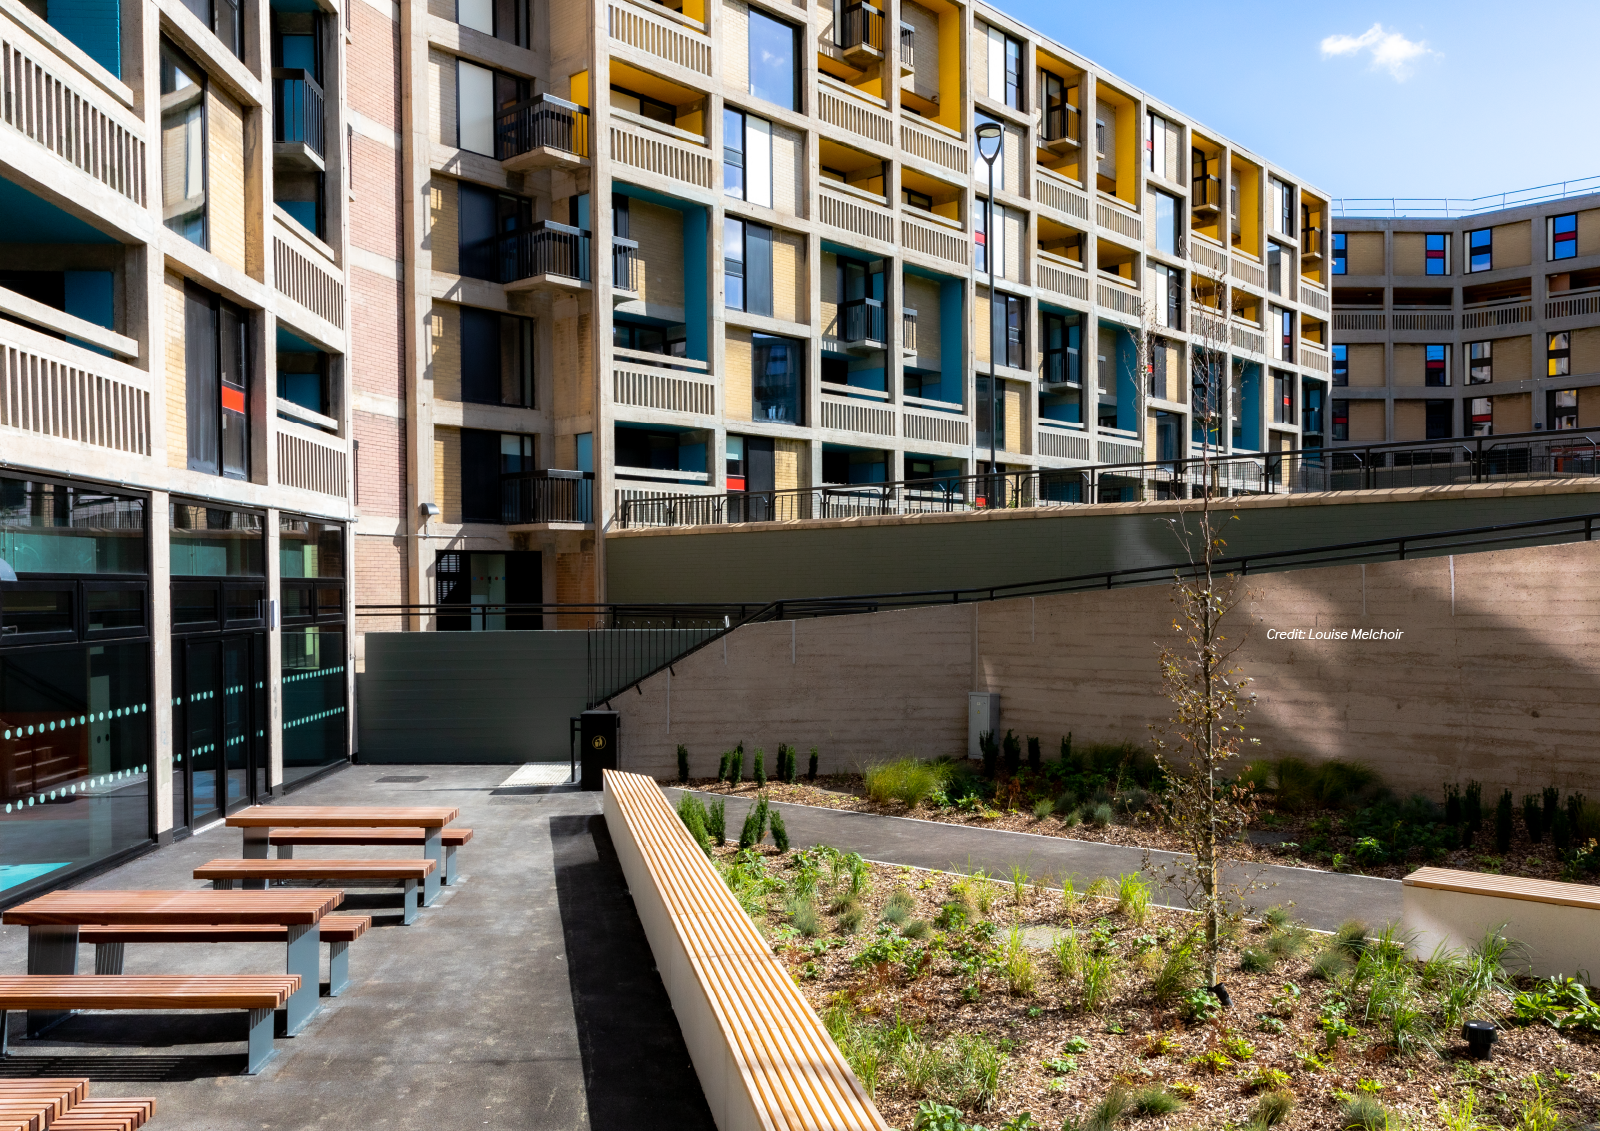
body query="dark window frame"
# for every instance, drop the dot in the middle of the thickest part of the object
(1341, 255)
(1554, 250)
(1474, 252)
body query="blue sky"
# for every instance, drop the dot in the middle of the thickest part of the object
(1459, 99)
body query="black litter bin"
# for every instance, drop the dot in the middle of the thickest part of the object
(598, 745)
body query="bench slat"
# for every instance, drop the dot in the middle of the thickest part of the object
(343, 816)
(60, 1093)
(145, 991)
(333, 928)
(450, 837)
(118, 1114)
(1506, 887)
(315, 869)
(210, 907)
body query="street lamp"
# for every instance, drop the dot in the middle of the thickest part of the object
(991, 143)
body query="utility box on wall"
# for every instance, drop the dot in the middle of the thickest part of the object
(598, 735)
(983, 717)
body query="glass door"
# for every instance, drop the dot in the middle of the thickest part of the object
(235, 720)
(202, 704)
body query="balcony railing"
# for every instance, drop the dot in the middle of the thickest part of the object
(546, 248)
(1205, 194)
(1311, 243)
(1061, 124)
(861, 26)
(547, 496)
(541, 122)
(297, 109)
(862, 320)
(624, 264)
(908, 330)
(908, 48)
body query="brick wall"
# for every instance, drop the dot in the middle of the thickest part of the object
(444, 356)
(380, 579)
(177, 371)
(442, 100)
(790, 284)
(659, 234)
(380, 463)
(443, 239)
(447, 473)
(736, 392)
(225, 178)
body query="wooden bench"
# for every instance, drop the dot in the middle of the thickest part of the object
(408, 874)
(452, 839)
(1555, 922)
(106, 1115)
(258, 821)
(47, 1104)
(338, 931)
(763, 1056)
(259, 995)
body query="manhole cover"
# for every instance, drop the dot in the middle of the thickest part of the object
(397, 779)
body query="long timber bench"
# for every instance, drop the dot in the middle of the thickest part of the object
(407, 873)
(284, 840)
(259, 995)
(1555, 922)
(764, 1059)
(338, 931)
(47, 1104)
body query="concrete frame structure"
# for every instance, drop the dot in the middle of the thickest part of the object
(1388, 309)
(892, 112)
(100, 400)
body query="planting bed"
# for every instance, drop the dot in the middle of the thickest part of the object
(997, 997)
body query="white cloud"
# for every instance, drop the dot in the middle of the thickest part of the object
(1390, 50)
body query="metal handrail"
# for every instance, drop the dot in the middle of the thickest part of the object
(1445, 207)
(547, 495)
(861, 25)
(862, 320)
(543, 121)
(544, 248)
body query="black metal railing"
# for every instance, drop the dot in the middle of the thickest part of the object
(624, 264)
(1480, 459)
(1310, 242)
(1061, 123)
(544, 248)
(908, 45)
(908, 329)
(1205, 193)
(541, 122)
(860, 25)
(862, 320)
(297, 108)
(547, 496)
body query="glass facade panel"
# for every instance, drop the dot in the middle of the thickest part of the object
(52, 529)
(213, 542)
(313, 700)
(309, 549)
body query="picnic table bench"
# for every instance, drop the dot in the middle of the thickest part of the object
(338, 931)
(257, 994)
(63, 1104)
(54, 920)
(258, 821)
(223, 874)
(452, 839)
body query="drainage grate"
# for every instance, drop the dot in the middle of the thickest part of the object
(397, 780)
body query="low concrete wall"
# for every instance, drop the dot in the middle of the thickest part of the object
(1495, 675)
(1556, 937)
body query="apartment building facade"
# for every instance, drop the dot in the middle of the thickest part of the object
(650, 252)
(176, 457)
(1469, 326)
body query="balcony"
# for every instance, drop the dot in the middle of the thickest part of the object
(1311, 246)
(908, 333)
(862, 325)
(297, 120)
(1205, 195)
(544, 257)
(1061, 125)
(908, 50)
(542, 132)
(624, 269)
(542, 498)
(860, 34)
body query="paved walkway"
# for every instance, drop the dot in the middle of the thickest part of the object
(524, 998)
(1322, 899)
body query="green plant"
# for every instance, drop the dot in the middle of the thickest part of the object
(1330, 965)
(1239, 1048)
(916, 929)
(906, 780)
(850, 916)
(811, 769)
(1276, 917)
(938, 1117)
(1334, 1023)
(1072, 817)
(1019, 883)
(1011, 754)
(1283, 1002)
(1254, 961)
(803, 915)
(1067, 949)
(1177, 975)
(761, 768)
(1098, 973)
(1061, 1064)
(1066, 749)
(1160, 1044)
(1539, 1112)
(1561, 1002)
(1350, 939)
(1369, 851)
(717, 821)
(736, 764)
(1213, 1061)
(1155, 1100)
(1533, 817)
(1267, 1080)
(683, 763)
(1104, 1115)
(792, 766)
(1463, 1114)
(1133, 898)
(1288, 942)
(780, 834)
(693, 816)
(754, 830)
(974, 1067)
(1100, 816)
(1363, 1113)
(1042, 809)
(1016, 964)
(1273, 1108)
(1023, 1122)
(1199, 1005)
(989, 746)
(1502, 823)
(1035, 759)
(919, 1066)
(1472, 807)
(898, 907)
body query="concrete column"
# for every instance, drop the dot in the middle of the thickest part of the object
(165, 740)
(275, 656)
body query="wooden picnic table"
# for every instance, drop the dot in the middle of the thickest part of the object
(53, 921)
(258, 821)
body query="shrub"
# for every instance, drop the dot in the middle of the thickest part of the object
(916, 929)
(761, 768)
(1299, 785)
(1452, 805)
(1067, 949)
(1289, 942)
(1042, 809)
(1254, 961)
(850, 916)
(693, 815)
(1350, 939)
(1011, 753)
(1099, 972)
(1273, 1107)
(780, 834)
(1035, 758)
(1502, 823)
(1100, 816)
(717, 821)
(754, 830)
(683, 763)
(1363, 1113)
(1066, 749)
(1104, 1115)
(1199, 1004)
(1533, 817)
(990, 746)
(1177, 974)
(974, 1067)
(1016, 964)
(722, 766)
(1155, 1100)
(1071, 818)
(1133, 898)
(802, 912)
(811, 770)
(906, 780)
(1239, 1048)
(1472, 806)
(736, 765)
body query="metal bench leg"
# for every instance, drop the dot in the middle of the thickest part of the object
(410, 901)
(338, 968)
(285, 852)
(52, 949)
(433, 849)
(222, 885)
(256, 847)
(5, 1033)
(303, 960)
(108, 957)
(261, 1049)
(450, 865)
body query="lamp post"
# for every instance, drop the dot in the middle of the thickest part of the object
(991, 142)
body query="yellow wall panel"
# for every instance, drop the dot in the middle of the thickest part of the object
(447, 473)
(1410, 253)
(1366, 366)
(1364, 253)
(1410, 364)
(1513, 244)
(1585, 351)
(1513, 413)
(1589, 232)
(789, 464)
(736, 384)
(1410, 420)
(1513, 358)
(177, 372)
(790, 285)
(444, 240)
(225, 178)
(444, 359)
(1366, 421)
(659, 233)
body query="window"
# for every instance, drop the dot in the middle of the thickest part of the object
(1167, 287)
(668, 341)
(1340, 263)
(1438, 419)
(774, 55)
(1009, 315)
(1157, 374)
(484, 218)
(990, 409)
(1005, 69)
(1563, 236)
(310, 569)
(1480, 250)
(1282, 206)
(1282, 397)
(225, 19)
(480, 96)
(1558, 351)
(1436, 252)
(1281, 327)
(1480, 412)
(302, 374)
(1276, 254)
(1561, 409)
(1480, 363)
(217, 393)
(735, 463)
(747, 266)
(503, 19)
(1055, 98)
(183, 145)
(1341, 365)
(1436, 367)
(1155, 145)
(496, 358)
(916, 200)
(747, 157)
(1312, 396)
(1100, 138)
(984, 246)
(1168, 217)
(778, 374)
(1061, 355)
(1341, 420)
(485, 458)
